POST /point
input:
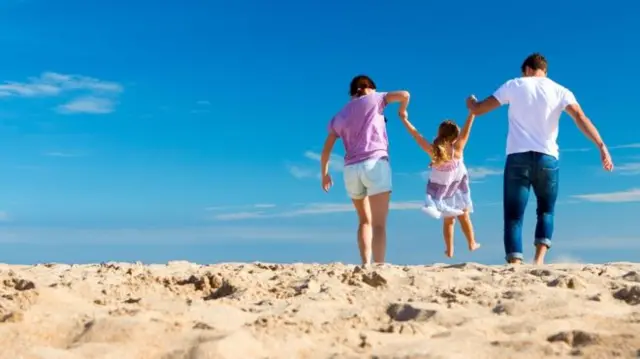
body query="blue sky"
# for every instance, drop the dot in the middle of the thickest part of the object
(155, 131)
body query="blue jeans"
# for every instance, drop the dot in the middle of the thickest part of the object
(523, 171)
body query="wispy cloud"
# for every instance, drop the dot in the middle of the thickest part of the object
(4, 217)
(595, 243)
(62, 154)
(632, 168)
(264, 205)
(311, 209)
(171, 235)
(583, 149)
(477, 173)
(632, 195)
(87, 104)
(336, 164)
(628, 145)
(238, 215)
(615, 147)
(239, 207)
(97, 98)
(203, 107)
(302, 172)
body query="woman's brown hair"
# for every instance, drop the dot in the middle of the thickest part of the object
(448, 132)
(359, 84)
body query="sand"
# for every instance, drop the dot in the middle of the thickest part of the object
(187, 311)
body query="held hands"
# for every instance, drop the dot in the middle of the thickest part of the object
(471, 102)
(404, 115)
(327, 182)
(605, 157)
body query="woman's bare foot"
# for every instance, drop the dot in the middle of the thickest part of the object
(449, 253)
(473, 246)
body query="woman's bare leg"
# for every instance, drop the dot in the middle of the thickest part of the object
(467, 229)
(379, 211)
(447, 231)
(364, 229)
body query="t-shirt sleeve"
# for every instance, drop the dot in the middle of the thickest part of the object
(381, 98)
(331, 127)
(568, 98)
(503, 93)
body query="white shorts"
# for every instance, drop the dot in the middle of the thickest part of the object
(367, 178)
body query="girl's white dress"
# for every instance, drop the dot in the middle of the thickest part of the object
(448, 192)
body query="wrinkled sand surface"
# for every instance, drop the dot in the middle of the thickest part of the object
(243, 311)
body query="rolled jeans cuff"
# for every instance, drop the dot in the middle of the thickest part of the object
(545, 241)
(514, 255)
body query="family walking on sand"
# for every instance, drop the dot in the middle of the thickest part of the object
(535, 105)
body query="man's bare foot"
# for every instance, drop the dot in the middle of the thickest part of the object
(515, 261)
(473, 246)
(541, 252)
(449, 253)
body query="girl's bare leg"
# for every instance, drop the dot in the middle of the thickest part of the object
(447, 231)
(467, 229)
(365, 234)
(379, 209)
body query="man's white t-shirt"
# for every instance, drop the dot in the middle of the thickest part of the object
(535, 107)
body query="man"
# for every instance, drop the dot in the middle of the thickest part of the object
(535, 105)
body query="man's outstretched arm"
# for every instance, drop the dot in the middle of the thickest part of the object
(584, 124)
(479, 108)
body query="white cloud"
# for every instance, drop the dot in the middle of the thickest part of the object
(632, 195)
(300, 172)
(336, 162)
(238, 215)
(476, 173)
(628, 145)
(312, 209)
(203, 103)
(632, 168)
(88, 104)
(61, 154)
(495, 158)
(4, 217)
(264, 205)
(241, 207)
(171, 235)
(97, 98)
(52, 84)
(584, 149)
(594, 243)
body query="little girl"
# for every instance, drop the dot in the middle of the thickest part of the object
(448, 195)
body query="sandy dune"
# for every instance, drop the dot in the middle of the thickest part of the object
(187, 311)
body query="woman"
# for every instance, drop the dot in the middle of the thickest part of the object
(367, 174)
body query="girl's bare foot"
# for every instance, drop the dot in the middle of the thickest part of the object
(473, 246)
(449, 253)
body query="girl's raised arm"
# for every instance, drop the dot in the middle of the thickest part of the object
(424, 144)
(461, 142)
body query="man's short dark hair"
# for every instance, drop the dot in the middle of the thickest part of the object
(535, 61)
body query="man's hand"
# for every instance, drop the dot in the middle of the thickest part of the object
(605, 157)
(471, 102)
(327, 182)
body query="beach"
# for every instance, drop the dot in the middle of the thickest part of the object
(183, 310)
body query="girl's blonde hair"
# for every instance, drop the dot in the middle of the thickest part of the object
(448, 132)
